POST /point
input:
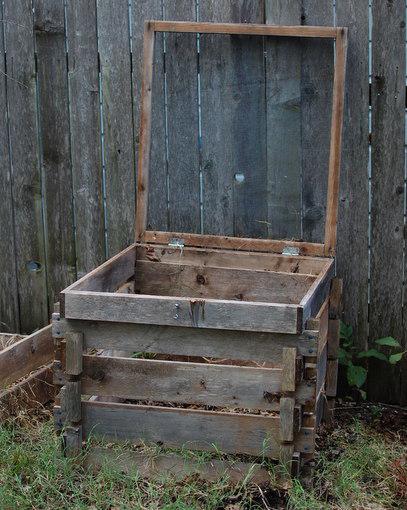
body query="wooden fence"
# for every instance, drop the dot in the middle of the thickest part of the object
(69, 112)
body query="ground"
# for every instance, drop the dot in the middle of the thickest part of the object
(361, 465)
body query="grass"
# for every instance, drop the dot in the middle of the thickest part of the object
(358, 469)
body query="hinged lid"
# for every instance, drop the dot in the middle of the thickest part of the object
(179, 239)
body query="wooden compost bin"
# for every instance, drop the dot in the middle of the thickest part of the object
(236, 334)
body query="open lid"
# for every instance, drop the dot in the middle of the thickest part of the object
(144, 233)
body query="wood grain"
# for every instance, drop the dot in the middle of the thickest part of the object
(83, 81)
(115, 68)
(9, 309)
(283, 100)
(211, 343)
(387, 181)
(25, 165)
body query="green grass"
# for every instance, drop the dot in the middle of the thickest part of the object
(359, 469)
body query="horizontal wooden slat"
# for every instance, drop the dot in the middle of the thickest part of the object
(26, 355)
(232, 243)
(238, 260)
(244, 29)
(175, 466)
(161, 279)
(184, 382)
(162, 310)
(211, 343)
(195, 429)
(318, 292)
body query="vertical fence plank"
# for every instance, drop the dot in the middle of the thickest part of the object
(181, 68)
(387, 209)
(353, 225)
(115, 67)
(316, 97)
(283, 97)
(26, 180)
(233, 123)
(56, 162)
(142, 10)
(9, 313)
(83, 81)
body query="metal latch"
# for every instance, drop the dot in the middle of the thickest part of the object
(176, 242)
(290, 250)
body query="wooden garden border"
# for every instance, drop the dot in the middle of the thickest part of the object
(339, 35)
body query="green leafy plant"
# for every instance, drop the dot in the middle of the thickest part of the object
(349, 356)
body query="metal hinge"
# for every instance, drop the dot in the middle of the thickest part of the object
(176, 242)
(290, 250)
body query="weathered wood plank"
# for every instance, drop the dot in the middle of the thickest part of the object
(115, 68)
(9, 310)
(71, 401)
(238, 260)
(331, 378)
(287, 408)
(316, 97)
(181, 311)
(387, 188)
(161, 466)
(181, 66)
(289, 369)
(182, 382)
(199, 430)
(56, 158)
(318, 292)
(233, 123)
(25, 172)
(354, 195)
(74, 350)
(142, 10)
(283, 101)
(161, 279)
(25, 356)
(210, 343)
(83, 80)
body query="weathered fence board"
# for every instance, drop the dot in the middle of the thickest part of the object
(9, 311)
(233, 123)
(388, 159)
(86, 151)
(316, 99)
(283, 97)
(25, 172)
(56, 161)
(115, 68)
(353, 224)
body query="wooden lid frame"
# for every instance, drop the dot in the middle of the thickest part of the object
(327, 249)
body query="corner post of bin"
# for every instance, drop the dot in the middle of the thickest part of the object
(290, 415)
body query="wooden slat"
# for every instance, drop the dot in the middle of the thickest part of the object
(353, 205)
(387, 187)
(71, 401)
(170, 465)
(318, 292)
(181, 67)
(283, 99)
(248, 29)
(162, 310)
(333, 338)
(56, 157)
(142, 10)
(287, 408)
(289, 369)
(83, 80)
(234, 243)
(9, 312)
(199, 430)
(183, 382)
(258, 347)
(74, 350)
(233, 123)
(331, 378)
(26, 181)
(25, 356)
(115, 69)
(157, 278)
(316, 105)
(240, 260)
